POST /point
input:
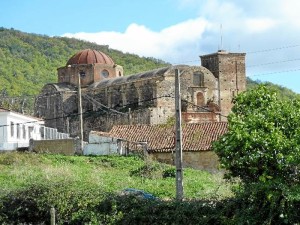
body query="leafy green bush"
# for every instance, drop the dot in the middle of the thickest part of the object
(262, 148)
(169, 172)
(32, 204)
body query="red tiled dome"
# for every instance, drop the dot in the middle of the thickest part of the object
(89, 56)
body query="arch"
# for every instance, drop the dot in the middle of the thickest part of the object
(200, 99)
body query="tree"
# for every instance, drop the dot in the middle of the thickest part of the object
(262, 148)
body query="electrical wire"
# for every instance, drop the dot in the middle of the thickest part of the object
(89, 112)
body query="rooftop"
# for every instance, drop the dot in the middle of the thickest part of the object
(161, 138)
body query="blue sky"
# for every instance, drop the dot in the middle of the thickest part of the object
(177, 31)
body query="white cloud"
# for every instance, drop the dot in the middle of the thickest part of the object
(166, 44)
(247, 26)
(259, 24)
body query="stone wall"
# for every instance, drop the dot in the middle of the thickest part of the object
(204, 160)
(149, 95)
(59, 146)
(229, 69)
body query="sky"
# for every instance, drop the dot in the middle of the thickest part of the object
(176, 31)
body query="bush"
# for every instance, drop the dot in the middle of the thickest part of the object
(170, 172)
(32, 204)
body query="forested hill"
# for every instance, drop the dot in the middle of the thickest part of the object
(29, 61)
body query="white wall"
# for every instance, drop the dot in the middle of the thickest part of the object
(16, 130)
(100, 145)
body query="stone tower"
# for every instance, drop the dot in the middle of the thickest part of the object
(229, 69)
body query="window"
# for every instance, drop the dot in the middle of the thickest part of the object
(18, 131)
(30, 132)
(42, 131)
(12, 129)
(200, 99)
(82, 74)
(24, 131)
(48, 102)
(198, 79)
(105, 73)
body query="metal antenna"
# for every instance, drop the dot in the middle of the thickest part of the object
(221, 37)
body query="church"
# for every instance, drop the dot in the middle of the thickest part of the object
(109, 98)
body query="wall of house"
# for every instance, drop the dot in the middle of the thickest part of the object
(17, 131)
(203, 160)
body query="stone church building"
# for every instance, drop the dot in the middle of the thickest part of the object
(110, 98)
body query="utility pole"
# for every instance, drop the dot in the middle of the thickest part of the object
(178, 144)
(80, 114)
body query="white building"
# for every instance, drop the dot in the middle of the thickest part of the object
(17, 129)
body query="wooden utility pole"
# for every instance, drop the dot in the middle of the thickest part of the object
(52, 216)
(80, 114)
(178, 144)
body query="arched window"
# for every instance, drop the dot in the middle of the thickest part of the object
(200, 99)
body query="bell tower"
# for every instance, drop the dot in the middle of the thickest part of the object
(229, 69)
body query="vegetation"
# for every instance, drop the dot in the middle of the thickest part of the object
(282, 93)
(261, 151)
(88, 188)
(30, 60)
(262, 148)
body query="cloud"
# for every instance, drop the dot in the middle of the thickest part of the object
(247, 26)
(270, 23)
(168, 44)
(256, 25)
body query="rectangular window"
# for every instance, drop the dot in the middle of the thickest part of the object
(42, 131)
(30, 132)
(48, 102)
(24, 131)
(198, 79)
(12, 129)
(18, 131)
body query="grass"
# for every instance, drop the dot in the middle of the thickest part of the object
(106, 173)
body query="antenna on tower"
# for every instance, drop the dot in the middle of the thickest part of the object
(221, 38)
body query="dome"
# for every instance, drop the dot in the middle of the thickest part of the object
(89, 56)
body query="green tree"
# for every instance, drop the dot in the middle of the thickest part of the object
(262, 148)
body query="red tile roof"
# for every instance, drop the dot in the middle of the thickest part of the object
(160, 138)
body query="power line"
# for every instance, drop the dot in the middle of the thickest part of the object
(275, 72)
(275, 62)
(273, 49)
(90, 112)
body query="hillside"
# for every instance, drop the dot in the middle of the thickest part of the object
(29, 61)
